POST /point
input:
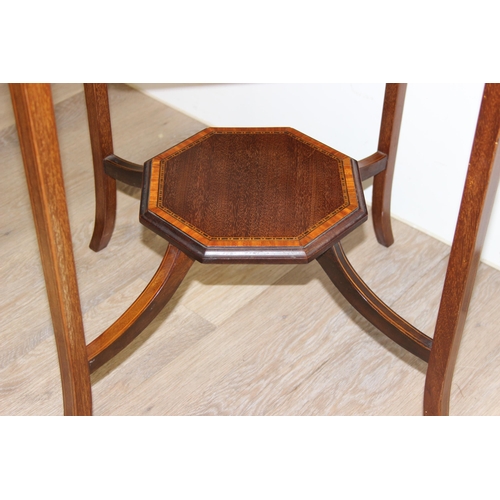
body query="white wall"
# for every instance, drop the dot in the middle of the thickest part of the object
(436, 136)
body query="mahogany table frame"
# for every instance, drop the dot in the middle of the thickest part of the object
(35, 120)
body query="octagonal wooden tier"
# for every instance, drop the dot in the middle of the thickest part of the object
(239, 195)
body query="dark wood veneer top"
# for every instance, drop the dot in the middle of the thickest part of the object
(259, 188)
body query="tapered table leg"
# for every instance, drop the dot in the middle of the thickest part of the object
(96, 96)
(392, 115)
(36, 127)
(475, 210)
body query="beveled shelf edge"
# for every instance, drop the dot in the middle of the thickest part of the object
(251, 254)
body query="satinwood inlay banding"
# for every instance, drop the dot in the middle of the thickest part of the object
(250, 187)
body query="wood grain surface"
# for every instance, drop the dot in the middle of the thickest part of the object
(234, 340)
(477, 202)
(362, 298)
(36, 126)
(392, 115)
(172, 270)
(252, 183)
(101, 138)
(252, 195)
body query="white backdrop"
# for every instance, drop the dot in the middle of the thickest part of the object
(436, 137)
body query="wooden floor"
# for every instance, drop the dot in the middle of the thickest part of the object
(235, 340)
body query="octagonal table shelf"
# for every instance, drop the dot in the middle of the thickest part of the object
(234, 195)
